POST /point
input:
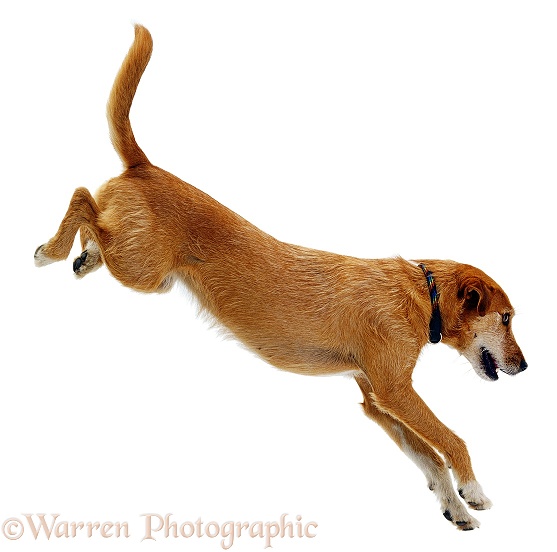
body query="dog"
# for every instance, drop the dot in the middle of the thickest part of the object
(299, 309)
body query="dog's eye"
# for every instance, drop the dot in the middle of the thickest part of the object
(506, 319)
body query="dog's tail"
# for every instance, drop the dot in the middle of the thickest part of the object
(121, 97)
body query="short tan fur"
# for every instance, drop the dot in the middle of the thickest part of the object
(299, 309)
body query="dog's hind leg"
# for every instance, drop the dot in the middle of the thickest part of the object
(82, 214)
(91, 258)
(424, 456)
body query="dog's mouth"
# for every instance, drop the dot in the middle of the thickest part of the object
(489, 364)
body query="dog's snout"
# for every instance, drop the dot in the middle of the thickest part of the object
(523, 365)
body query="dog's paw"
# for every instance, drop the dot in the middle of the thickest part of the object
(451, 506)
(474, 496)
(458, 515)
(41, 259)
(79, 263)
(88, 261)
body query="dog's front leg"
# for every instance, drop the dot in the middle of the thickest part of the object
(402, 402)
(430, 463)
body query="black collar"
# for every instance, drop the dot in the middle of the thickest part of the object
(435, 321)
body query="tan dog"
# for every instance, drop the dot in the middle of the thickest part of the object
(301, 310)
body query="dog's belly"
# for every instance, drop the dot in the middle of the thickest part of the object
(270, 325)
(305, 360)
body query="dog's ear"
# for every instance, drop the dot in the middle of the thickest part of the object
(475, 294)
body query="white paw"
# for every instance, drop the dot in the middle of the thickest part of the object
(451, 506)
(474, 496)
(88, 261)
(40, 258)
(458, 515)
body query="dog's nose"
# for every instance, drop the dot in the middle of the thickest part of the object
(523, 365)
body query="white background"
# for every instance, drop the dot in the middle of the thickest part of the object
(421, 129)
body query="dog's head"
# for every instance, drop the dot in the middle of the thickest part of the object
(486, 338)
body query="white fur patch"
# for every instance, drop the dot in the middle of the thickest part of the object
(41, 259)
(473, 494)
(440, 482)
(93, 260)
